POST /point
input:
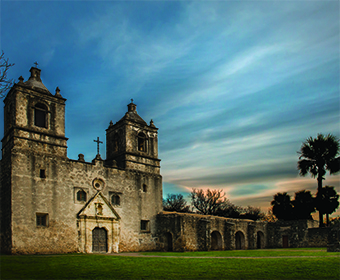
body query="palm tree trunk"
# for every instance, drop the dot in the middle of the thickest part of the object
(319, 192)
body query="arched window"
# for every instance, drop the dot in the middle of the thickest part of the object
(145, 188)
(40, 115)
(142, 142)
(115, 199)
(81, 195)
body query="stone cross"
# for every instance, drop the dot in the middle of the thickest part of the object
(36, 64)
(98, 142)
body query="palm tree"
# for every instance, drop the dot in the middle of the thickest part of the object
(327, 201)
(304, 205)
(282, 207)
(317, 156)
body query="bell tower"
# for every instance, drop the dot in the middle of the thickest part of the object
(34, 118)
(33, 145)
(133, 144)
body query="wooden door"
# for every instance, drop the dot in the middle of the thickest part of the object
(285, 241)
(99, 240)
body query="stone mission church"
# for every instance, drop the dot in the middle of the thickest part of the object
(53, 204)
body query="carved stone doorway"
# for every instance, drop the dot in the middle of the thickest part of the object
(99, 240)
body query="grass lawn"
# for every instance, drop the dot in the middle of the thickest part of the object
(320, 252)
(288, 264)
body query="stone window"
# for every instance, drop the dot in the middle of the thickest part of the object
(145, 188)
(42, 219)
(115, 199)
(40, 115)
(142, 142)
(81, 195)
(145, 225)
(42, 173)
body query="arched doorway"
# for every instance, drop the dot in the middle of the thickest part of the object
(99, 240)
(216, 241)
(239, 240)
(260, 240)
(168, 242)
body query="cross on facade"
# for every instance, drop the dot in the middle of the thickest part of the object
(98, 142)
(36, 64)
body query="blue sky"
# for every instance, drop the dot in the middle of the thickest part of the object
(235, 87)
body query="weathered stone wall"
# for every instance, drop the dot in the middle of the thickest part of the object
(32, 195)
(333, 240)
(317, 237)
(56, 196)
(194, 232)
(5, 205)
(296, 232)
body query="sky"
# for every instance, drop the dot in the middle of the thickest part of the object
(235, 87)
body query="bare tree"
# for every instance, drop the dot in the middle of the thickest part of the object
(175, 202)
(5, 83)
(207, 202)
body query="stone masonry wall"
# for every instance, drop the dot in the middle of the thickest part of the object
(194, 232)
(299, 233)
(55, 195)
(317, 237)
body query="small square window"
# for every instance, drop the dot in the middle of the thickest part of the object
(144, 226)
(81, 196)
(115, 200)
(42, 219)
(42, 173)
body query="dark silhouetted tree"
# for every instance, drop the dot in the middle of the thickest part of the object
(252, 213)
(207, 202)
(229, 210)
(327, 201)
(282, 206)
(175, 202)
(5, 83)
(318, 155)
(304, 205)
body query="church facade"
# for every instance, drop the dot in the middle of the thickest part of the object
(52, 204)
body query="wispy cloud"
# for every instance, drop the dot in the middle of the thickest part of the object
(234, 86)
